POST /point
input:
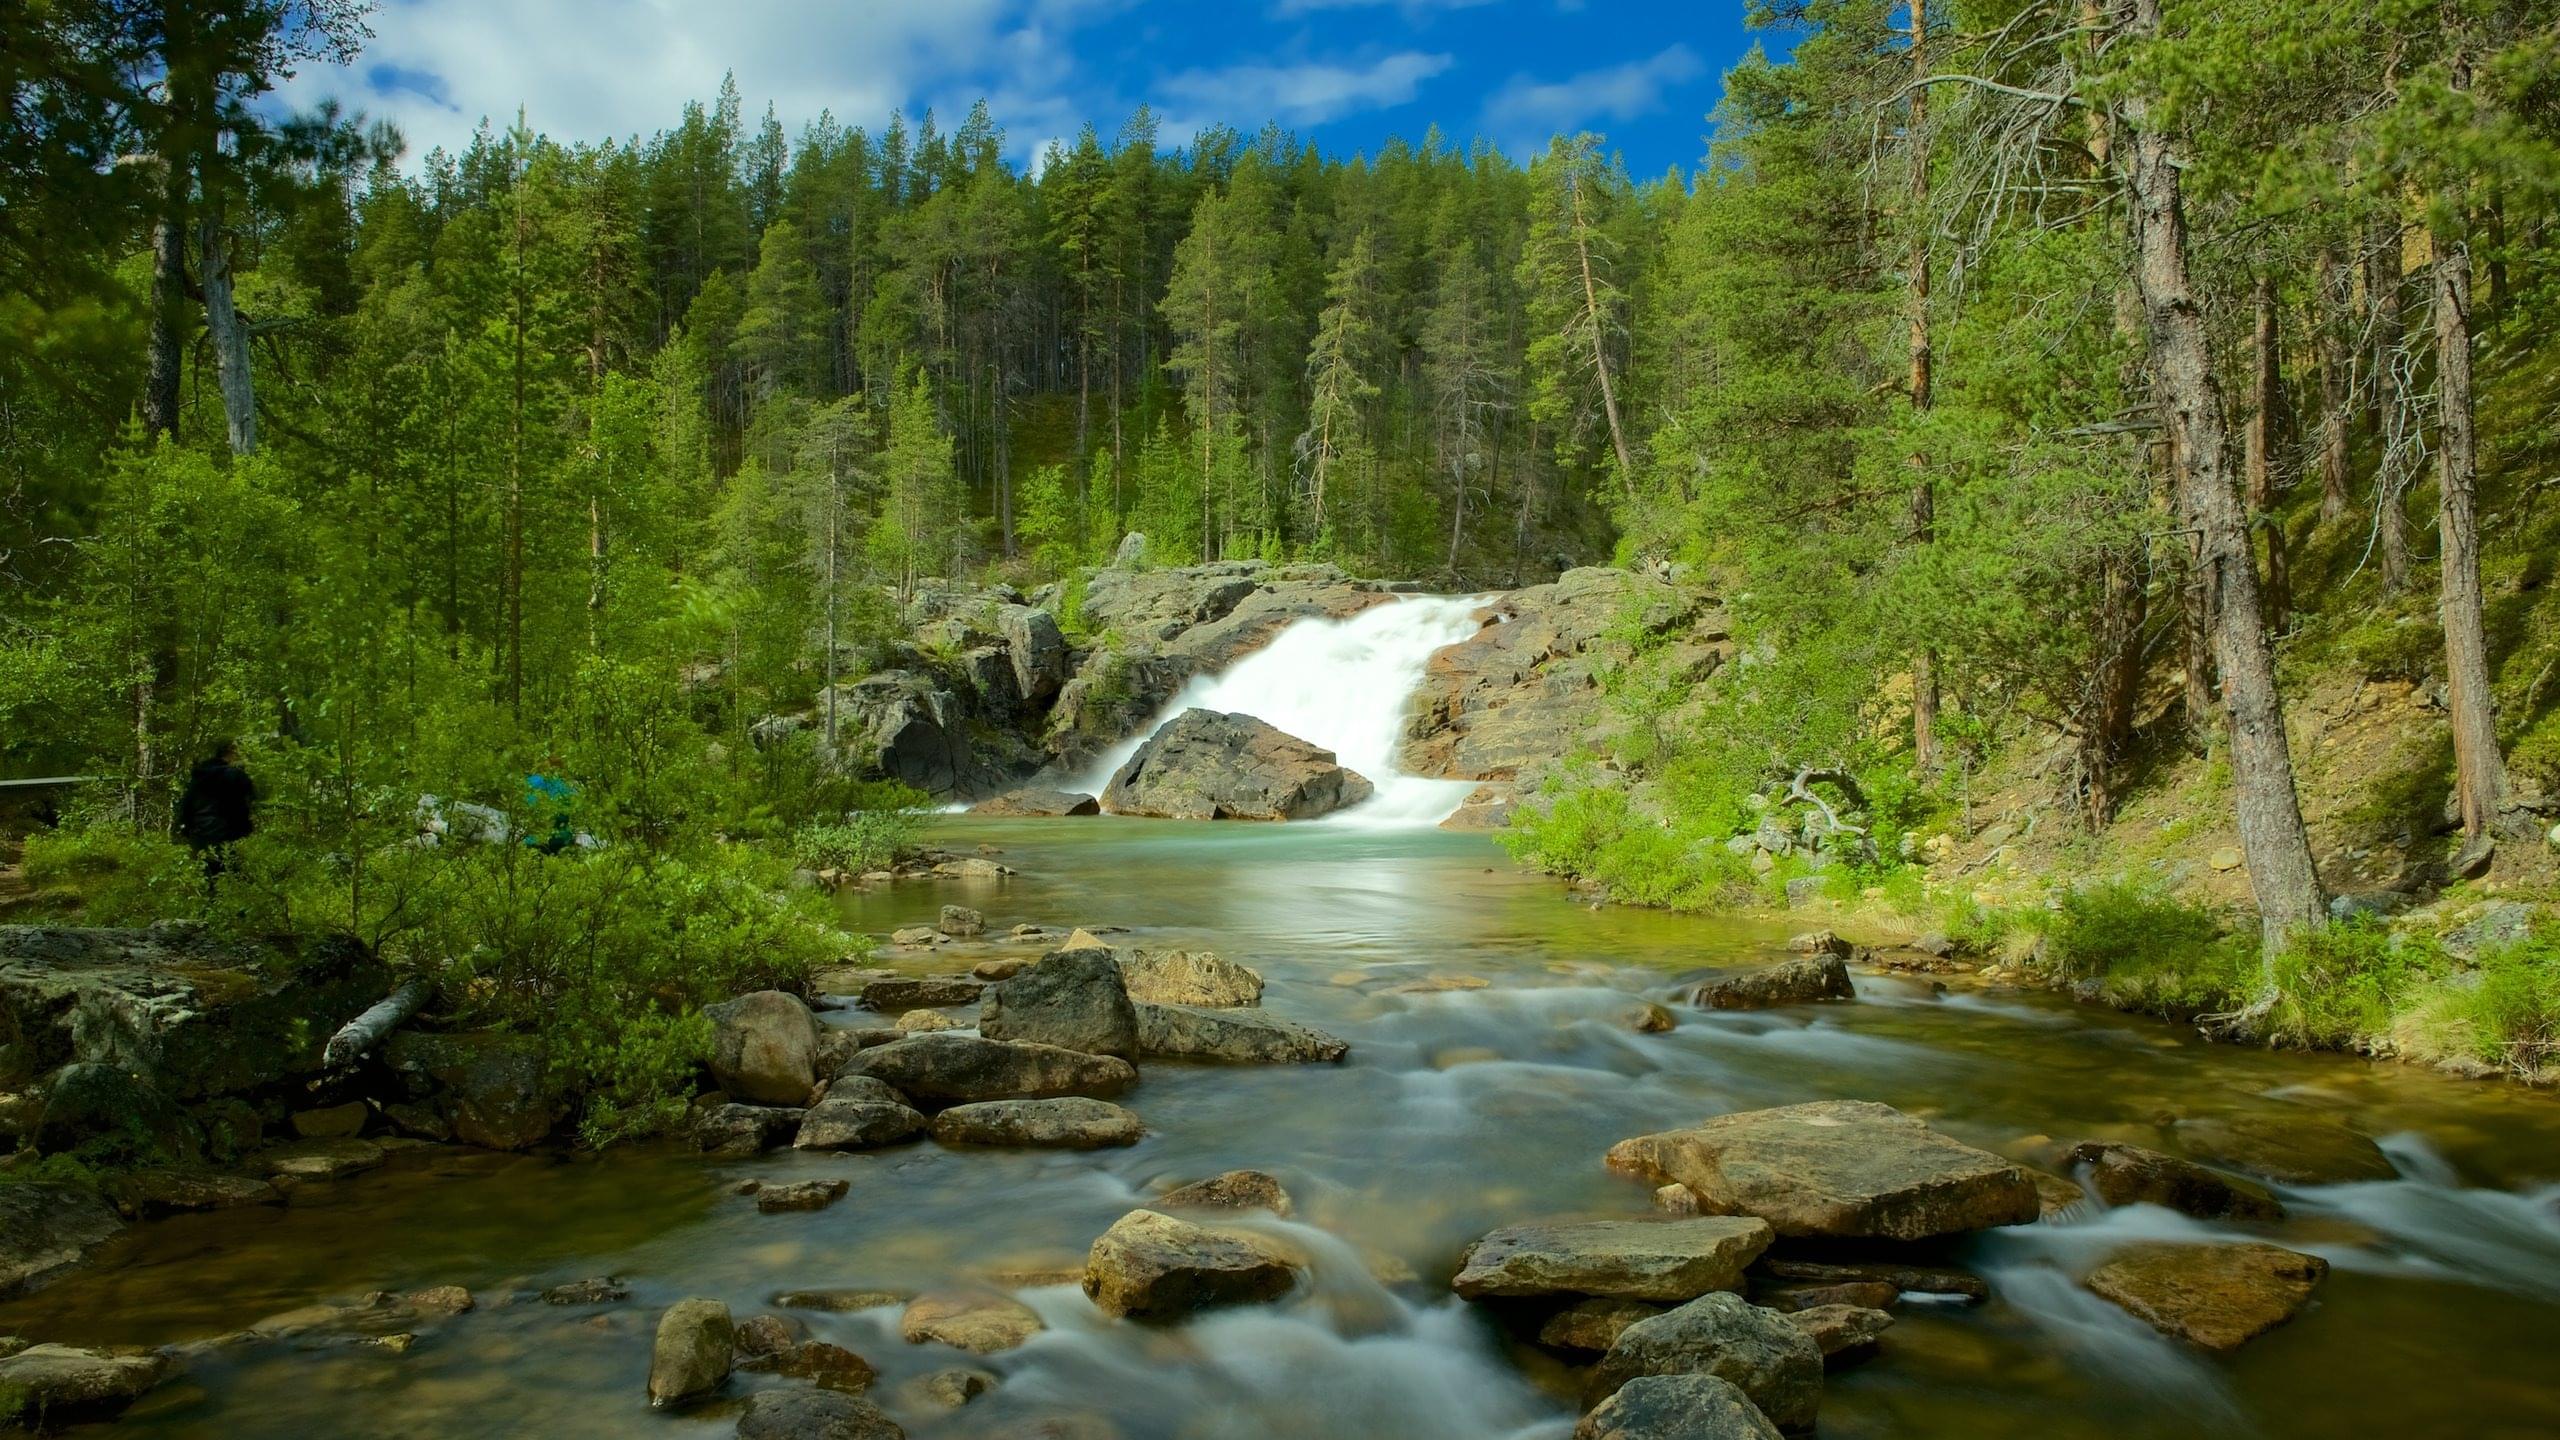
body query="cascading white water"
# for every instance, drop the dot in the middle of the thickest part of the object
(1341, 684)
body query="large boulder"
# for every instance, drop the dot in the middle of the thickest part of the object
(484, 1088)
(858, 1113)
(44, 1386)
(981, 1322)
(1660, 1260)
(2219, 1297)
(1073, 999)
(1676, 1407)
(1799, 981)
(906, 726)
(47, 1229)
(2132, 1175)
(1069, 1122)
(695, 1348)
(1189, 977)
(764, 1048)
(1037, 648)
(1036, 800)
(814, 1415)
(1208, 765)
(733, 1131)
(1844, 1169)
(2291, 1150)
(952, 1069)
(1152, 1266)
(1726, 1336)
(1243, 1037)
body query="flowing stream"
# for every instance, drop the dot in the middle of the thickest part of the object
(1458, 1110)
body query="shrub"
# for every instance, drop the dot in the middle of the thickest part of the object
(2342, 985)
(2505, 1011)
(862, 840)
(2116, 927)
(122, 876)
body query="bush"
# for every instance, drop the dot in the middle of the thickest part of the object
(2148, 950)
(2505, 1012)
(122, 876)
(2344, 985)
(862, 840)
(1596, 833)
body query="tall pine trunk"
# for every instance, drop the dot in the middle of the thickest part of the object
(2480, 772)
(2269, 813)
(230, 338)
(2398, 414)
(1924, 500)
(2259, 444)
(2337, 414)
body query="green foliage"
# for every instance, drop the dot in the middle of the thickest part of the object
(2343, 985)
(2505, 1011)
(121, 876)
(867, 840)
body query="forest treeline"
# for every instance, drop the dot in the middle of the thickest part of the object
(1997, 361)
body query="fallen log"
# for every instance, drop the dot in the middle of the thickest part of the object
(357, 1037)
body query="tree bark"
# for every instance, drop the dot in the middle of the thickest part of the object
(2117, 689)
(164, 354)
(2268, 811)
(1924, 500)
(2337, 415)
(230, 339)
(2390, 327)
(1600, 339)
(2480, 771)
(2259, 445)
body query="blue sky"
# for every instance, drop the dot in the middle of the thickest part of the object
(1348, 73)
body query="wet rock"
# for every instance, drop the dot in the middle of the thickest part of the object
(764, 1048)
(1152, 1266)
(900, 994)
(1038, 802)
(822, 1363)
(961, 923)
(600, 1290)
(735, 1131)
(1662, 1260)
(695, 1347)
(914, 935)
(1066, 1123)
(1644, 1017)
(2132, 1175)
(970, 867)
(114, 1112)
(1246, 1037)
(1234, 1190)
(2055, 1196)
(982, 1323)
(1865, 1294)
(1835, 1169)
(2293, 1150)
(926, 1022)
(858, 1113)
(151, 1194)
(1593, 1325)
(1189, 977)
(1791, 982)
(487, 1089)
(1439, 984)
(1676, 1407)
(1819, 943)
(957, 1069)
(1769, 1360)
(814, 1415)
(1905, 1279)
(1205, 765)
(800, 1195)
(306, 1160)
(42, 1386)
(2217, 1296)
(1073, 999)
(841, 1301)
(950, 1388)
(1844, 1333)
(438, 1302)
(1489, 806)
(760, 1336)
(333, 1122)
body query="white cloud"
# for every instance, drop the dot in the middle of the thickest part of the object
(1410, 7)
(1303, 94)
(1524, 112)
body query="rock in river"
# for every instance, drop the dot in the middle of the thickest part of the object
(950, 1069)
(899, 994)
(47, 1385)
(1676, 1407)
(1661, 1260)
(733, 1131)
(1073, 999)
(695, 1347)
(814, 1415)
(1035, 801)
(1791, 982)
(2132, 1175)
(1848, 1169)
(2293, 1150)
(1205, 765)
(1246, 1037)
(482, 1088)
(1593, 1325)
(800, 1195)
(1234, 1190)
(982, 1323)
(858, 1113)
(1844, 1332)
(46, 1229)
(1189, 977)
(1726, 1336)
(764, 1048)
(2218, 1296)
(1151, 1266)
(1067, 1123)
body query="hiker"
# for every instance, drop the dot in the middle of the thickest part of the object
(213, 811)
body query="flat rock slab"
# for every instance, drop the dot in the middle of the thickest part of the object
(953, 1069)
(814, 1415)
(47, 1229)
(1677, 1407)
(1152, 1266)
(2132, 1175)
(980, 1323)
(1846, 1169)
(1240, 1037)
(2217, 1296)
(2294, 1150)
(1843, 1332)
(320, 1159)
(1800, 981)
(1066, 1123)
(1724, 1335)
(858, 1114)
(901, 993)
(1036, 801)
(800, 1195)
(45, 1385)
(1189, 977)
(1234, 1190)
(1659, 1260)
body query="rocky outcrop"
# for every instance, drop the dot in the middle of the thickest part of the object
(949, 1069)
(2132, 1175)
(1038, 801)
(44, 1386)
(47, 1229)
(1067, 1123)
(695, 1348)
(1240, 1037)
(1152, 1266)
(1074, 999)
(1839, 1169)
(2219, 1297)
(487, 1089)
(1677, 1407)
(1189, 977)
(1210, 765)
(1659, 1260)
(764, 1048)
(1777, 1365)
(1800, 981)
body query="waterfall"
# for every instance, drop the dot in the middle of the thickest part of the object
(1341, 684)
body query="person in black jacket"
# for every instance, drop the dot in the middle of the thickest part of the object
(213, 811)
